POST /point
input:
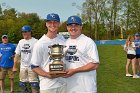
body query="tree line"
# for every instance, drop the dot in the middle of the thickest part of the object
(102, 20)
(12, 21)
(110, 19)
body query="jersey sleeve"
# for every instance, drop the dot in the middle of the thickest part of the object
(18, 50)
(37, 57)
(133, 45)
(92, 52)
(14, 48)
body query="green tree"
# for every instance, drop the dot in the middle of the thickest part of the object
(0, 10)
(62, 27)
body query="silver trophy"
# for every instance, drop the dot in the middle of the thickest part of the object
(56, 53)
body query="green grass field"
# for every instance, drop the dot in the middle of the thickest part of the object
(111, 73)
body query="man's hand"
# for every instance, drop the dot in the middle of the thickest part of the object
(69, 72)
(12, 57)
(16, 59)
(14, 69)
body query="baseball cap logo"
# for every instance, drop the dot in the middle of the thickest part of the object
(73, 19)
(52, 15)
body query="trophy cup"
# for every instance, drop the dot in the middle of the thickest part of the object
(56, 53)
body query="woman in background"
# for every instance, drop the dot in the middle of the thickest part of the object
(130, 48)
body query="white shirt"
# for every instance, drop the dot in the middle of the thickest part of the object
(130, 49)
(24, 49)
(81, 51)
(41, 58)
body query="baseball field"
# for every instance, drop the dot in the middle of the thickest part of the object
(111, 73)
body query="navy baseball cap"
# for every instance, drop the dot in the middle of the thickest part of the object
(137, 34)
(74, 20)
(53, 16)
(26, 28)
(3, 36)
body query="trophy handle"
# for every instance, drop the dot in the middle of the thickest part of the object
(49, 53)
(64, 46)
(50, 46)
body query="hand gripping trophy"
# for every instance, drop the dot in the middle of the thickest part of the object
(56, 53)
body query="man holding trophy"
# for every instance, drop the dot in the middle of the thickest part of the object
(47, 58)
(82, 59)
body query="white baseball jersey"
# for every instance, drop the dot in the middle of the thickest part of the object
(24, 49)
(130, 49)
(81, 51)
(42, 59)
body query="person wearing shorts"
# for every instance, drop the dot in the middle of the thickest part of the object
(24, 51)
(137, 44)
(130, 48)
(7, 52)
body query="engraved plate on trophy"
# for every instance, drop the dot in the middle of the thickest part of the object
(56, 53)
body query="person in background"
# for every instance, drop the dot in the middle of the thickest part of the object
(24, 51)
(137, 44)
(130, 48)
(7, 52)
(82, 59)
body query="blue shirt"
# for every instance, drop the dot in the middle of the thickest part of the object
(137, 43)
(7, 51)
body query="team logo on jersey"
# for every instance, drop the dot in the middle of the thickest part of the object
(26, 49)
(72, 50)
(26, 46)
(5, 48)
(137, 43)
(70, 57)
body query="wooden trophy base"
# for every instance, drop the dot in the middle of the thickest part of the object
(57, 69)
(57, 72)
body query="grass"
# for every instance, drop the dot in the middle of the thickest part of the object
(111, 73)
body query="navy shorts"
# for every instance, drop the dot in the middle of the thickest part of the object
(131, 56)
(137, 56)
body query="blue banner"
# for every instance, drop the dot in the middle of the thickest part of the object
(110, 42)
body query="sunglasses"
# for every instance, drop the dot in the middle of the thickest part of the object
(4, 38)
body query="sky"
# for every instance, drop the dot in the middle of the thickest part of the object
(64, 8)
